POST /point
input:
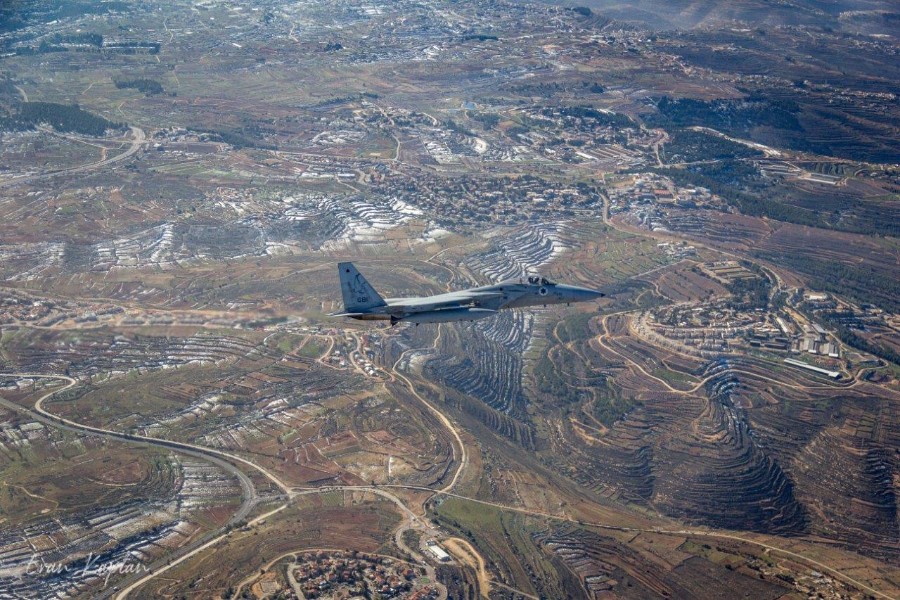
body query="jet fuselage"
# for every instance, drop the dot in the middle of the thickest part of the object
(362, 302)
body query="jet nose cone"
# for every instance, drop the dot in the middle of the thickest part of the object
(589, 294)
(580, 294)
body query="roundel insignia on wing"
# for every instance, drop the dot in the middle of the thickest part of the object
(542, 291)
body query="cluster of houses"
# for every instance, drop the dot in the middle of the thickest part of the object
(336, 574)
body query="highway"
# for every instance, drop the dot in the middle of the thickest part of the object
(137, 142)
(463, 456)
(411, 520)
(219, 458)
(228, 462)
(660, 531)
(223, 460)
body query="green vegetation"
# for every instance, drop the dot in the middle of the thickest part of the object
(648, 299)
(146, 86)
(749, 293)
(62, 117)
(312, 349)
(16, 15)
(742, 186)
(266, 322)
(488, 120)
(676, 379)
(505, 541)
(68, 210)
(737, 117)
(851, 338)
(244, 138)
(333, 499)
(285, 343)
(481, 37)
(610, 406)
(607, 404)
(861, 283)
(575, 327)
(549, 382)
(716, 555)
(458, 128)
(82, 38)
(686, 145)
(608, 119)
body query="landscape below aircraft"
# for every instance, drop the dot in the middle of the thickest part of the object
(362, 302)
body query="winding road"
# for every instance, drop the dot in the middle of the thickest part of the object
(137, 142)
(411, 520)
(447, 423)
(227, 461)
(221, 459)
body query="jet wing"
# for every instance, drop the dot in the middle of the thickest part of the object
(450, 300)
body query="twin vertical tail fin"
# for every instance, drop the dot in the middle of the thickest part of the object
(359, 295)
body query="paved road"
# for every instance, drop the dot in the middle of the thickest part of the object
(660, 531)
(138, 140)
(170, 564)
(222, 458)
(463, 454)
(42, 415)
(248, 491)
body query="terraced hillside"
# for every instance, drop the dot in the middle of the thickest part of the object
(492, 369)
(145, 506)
(179, 399)
(709, 442)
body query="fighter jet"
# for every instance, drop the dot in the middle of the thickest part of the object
(362, 302)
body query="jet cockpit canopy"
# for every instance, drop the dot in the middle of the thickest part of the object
(535, 280)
